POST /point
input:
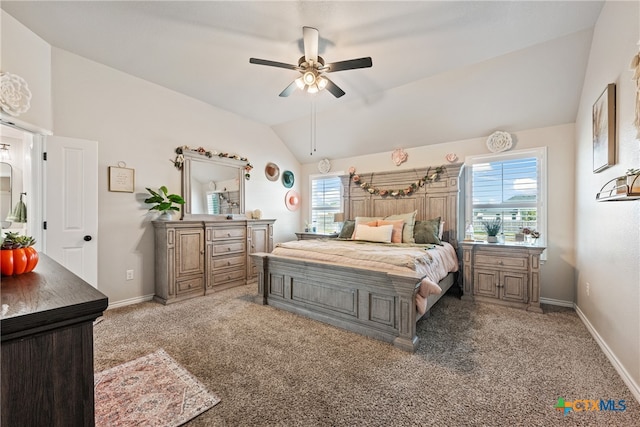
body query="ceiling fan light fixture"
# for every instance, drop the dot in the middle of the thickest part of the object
(312, 89)
(300, 83)
(309, 78)
(322, 82)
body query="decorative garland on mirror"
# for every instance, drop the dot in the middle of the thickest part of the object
(411, 188)
(179, 160)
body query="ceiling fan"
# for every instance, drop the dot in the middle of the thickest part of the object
(313, 68)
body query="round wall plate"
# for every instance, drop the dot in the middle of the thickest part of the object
(272, 171)
(287, 179)
(324, 165)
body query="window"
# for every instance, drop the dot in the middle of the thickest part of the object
(213, 204)
(509, 186)
(326, 200)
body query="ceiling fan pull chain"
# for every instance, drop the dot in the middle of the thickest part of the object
(313, 126)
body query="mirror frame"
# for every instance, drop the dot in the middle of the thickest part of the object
(214, 161)
(3, 217)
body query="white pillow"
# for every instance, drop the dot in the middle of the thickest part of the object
(380, 234)
(441, 230)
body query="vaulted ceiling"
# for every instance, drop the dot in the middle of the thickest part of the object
(442, 70)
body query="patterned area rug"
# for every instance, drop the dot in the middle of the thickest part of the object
(153, 390)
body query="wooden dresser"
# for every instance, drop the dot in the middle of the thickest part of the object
(507, 274)
(47, 347)
(194, 258)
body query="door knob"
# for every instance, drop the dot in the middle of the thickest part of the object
(87, 238)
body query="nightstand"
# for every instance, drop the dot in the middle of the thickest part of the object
(507, 274)
(309, 236)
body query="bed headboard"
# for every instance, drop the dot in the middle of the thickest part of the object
(439, 198)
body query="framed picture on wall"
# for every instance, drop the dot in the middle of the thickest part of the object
(121, 179)
(604, 129)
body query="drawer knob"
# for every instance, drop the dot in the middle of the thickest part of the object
(228, 262)
(228, 249)
(228, 234)
(500, 263)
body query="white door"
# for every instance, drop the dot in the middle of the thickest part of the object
(71, 208)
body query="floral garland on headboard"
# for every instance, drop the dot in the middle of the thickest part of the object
(179, 160)
(410, 188)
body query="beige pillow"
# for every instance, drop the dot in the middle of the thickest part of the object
(409, 222)
(367, 220)
(380, 234)
(398, 224)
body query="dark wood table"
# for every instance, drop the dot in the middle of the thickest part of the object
(46, 329)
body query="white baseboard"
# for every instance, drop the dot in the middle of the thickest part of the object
(130, 301)
(558, 302)
(635, 389)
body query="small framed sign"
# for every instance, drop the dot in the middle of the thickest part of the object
(121, 179)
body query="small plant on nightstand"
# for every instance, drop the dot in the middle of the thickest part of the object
(492, 227)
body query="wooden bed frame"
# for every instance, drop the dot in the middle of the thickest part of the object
(371, 302)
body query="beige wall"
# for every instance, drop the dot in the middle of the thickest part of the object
(557, 284)
(141, 124)
(608, 233)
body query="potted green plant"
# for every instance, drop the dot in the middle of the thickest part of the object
(164, 202)
(492, 227)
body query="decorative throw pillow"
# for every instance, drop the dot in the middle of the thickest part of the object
(348, 227)
(409, 222)
(367, 220)
(380, 234)
(398, 225)
(426, 232)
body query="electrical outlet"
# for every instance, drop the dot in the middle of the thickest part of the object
(588, 285)
(129, 274)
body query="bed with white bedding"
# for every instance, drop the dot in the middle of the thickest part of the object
(375, 289)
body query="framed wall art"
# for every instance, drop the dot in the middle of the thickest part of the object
(604, 129)
(121, 179)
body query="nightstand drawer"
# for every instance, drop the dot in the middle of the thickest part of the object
(511, 262)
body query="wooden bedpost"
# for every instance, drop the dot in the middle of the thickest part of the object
(405, 286)
(261, 261)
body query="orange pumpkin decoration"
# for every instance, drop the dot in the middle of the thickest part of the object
(15, 259)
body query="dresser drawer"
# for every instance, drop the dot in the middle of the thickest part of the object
(227, 262)
(228, 233)
(189, 285)
(220, 248)
(228, 276)
(502, 261)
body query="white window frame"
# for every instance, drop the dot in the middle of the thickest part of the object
(541, 154)
(322, 176)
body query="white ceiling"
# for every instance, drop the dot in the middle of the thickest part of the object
(442, 71)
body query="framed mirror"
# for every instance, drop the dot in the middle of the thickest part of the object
(212, 186)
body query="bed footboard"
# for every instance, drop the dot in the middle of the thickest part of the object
(369, 302)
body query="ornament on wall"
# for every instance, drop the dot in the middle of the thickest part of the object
(324, 165)
(399, 156)
(499, 141)
(635, 67)
(451, 157)
(15, 96)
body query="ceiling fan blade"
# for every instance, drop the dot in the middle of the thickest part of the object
(310, 36)
(289, 89)
(333, 88)
(273, 63)
(348, 65)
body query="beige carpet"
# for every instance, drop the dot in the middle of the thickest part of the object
(477, 364)
(152, 390)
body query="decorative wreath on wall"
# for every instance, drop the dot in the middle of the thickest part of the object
(179, 160)
(431, 176)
